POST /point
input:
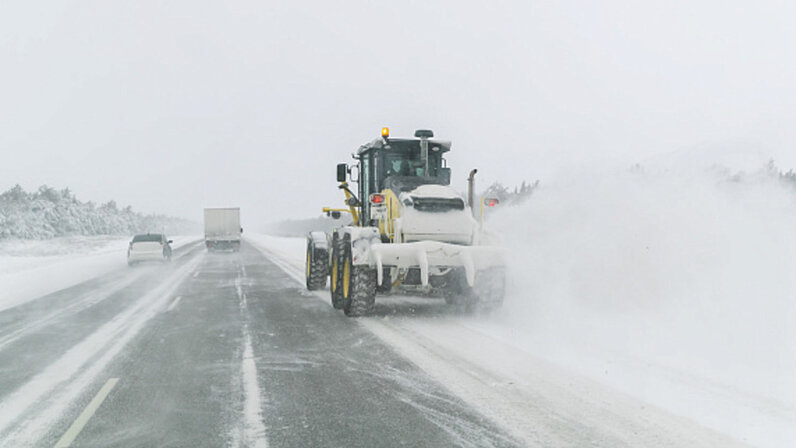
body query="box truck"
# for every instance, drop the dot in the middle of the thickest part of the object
(222, 229)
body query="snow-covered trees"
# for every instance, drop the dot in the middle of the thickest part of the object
(507, 196)
(49, 213)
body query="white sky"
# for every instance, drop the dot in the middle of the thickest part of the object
(171, 106)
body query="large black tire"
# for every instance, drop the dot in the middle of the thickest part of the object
(358, 285)
(454, 288)
(317, 268)
(335, 273)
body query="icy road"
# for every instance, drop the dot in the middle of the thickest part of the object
(229, 350)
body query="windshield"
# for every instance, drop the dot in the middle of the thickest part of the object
(148, 237)
(405, 159)
(403, 165)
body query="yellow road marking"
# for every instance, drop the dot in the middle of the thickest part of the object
(174, 303)
(71, 433)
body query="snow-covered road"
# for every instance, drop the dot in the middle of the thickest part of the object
(30, 269)
(230, 349)
(219, 349)
(533, 379)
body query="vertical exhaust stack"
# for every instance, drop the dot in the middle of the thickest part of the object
(424, 135)
(471, 188)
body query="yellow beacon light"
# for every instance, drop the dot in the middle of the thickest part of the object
(385, 132)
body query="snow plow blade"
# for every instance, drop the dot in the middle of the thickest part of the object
(423, 254)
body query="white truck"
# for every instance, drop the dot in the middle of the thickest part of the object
(222, 229)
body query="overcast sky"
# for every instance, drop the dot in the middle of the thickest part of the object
(172, 106)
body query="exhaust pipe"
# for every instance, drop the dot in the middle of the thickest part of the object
(424, 154)
(424, 135)
(471, 188)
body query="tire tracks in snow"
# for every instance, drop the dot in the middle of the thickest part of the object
(251, 432)
(87, 301)
(25, 415)
(534, 401)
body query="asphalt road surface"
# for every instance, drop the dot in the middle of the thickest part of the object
(230, 350)
(214, 350)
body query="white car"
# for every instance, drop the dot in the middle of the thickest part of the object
(149, 247)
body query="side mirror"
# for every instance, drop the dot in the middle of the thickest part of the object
(342, 172)
(354, 174)
(171, 241)
(241, 230)
(335, 215)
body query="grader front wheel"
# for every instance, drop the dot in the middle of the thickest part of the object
(335, 273)
(489, 290)
(358, 285)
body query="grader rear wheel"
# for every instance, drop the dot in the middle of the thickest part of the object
(317, 267)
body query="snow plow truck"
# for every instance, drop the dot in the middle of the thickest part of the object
(410, 232)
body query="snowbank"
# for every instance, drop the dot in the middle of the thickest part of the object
(675, 287)
(31, 269)
(289, 250)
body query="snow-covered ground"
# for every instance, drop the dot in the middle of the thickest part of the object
(33, 268)
(667, 292)
(675, 286)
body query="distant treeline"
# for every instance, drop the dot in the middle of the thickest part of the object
(49, 213)
(508, 196)
(789, 178)
(766, 173)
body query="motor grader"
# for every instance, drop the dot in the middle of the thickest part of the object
(410, 232)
